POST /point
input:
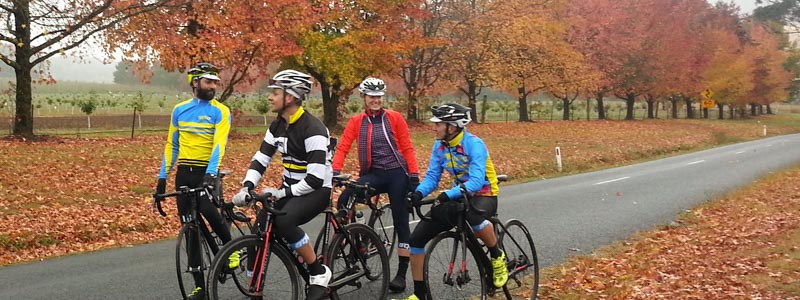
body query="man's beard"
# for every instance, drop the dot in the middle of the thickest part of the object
(205, 94)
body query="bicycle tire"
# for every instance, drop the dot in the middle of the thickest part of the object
(438, 258)
(384, 229)
(343, 261)
(521, 259)
(283, 282)
(186, 275)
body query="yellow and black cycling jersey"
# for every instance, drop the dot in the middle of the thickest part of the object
(198, 133)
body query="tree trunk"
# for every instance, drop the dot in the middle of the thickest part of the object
(523, 104)
(330, 103)
(601, 110)
(720, 110)
(753, 111)
(630, 102)
(705, 113)
(23, 120)
(566, 104)
(472, 98)
(411, 110)
(650, 107)
(731, 112)
(89, 121)
(689, 111)
(674, 102)
(769, 109)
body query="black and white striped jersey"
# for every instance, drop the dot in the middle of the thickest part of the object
(303, 144)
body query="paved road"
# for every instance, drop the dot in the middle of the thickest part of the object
(567, 215)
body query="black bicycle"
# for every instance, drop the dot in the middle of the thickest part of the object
(380, 218)
(195, 232)
(355, 255)
(457, 279)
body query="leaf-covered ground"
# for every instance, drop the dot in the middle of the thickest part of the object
(742, 246)
(63, 196)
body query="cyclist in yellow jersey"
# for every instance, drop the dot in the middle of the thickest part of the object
(198, 132)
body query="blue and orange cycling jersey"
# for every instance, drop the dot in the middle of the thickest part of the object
(467, 159)
(198, 133)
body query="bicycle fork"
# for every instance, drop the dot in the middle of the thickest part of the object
(262, 261)
(462, 278)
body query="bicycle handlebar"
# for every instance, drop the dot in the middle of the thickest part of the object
(344, 180)
(466, 197)
(267, 201)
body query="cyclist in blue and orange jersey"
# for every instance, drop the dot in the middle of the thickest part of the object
(387, 160)
(467, 159)
(303, 142)
(198, 133)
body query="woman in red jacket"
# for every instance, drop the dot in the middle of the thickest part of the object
(387, 162)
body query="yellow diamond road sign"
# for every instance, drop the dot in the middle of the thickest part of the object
(707, 93)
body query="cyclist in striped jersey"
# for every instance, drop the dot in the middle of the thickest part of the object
(303, 142)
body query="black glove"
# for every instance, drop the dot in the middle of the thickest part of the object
(210, 180)
(161, 188)
(442, 197)
(415, 198)
(413, 182)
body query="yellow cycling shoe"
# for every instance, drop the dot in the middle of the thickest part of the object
(412, 297)
(233, 260)
(499, 270)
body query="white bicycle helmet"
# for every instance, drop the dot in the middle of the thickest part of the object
(372, 86)
(295, 83)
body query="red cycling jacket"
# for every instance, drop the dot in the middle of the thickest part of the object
(359, 127)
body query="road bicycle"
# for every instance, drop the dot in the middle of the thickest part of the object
(380, 218)
(195, 231)
(355, 255)
(457, 279)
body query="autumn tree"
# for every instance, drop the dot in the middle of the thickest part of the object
(535, 54)
(472, 52)
(240, 36)
(422, 66)
(353, 40)
(770, 80)
(37, 30)
(729, 72)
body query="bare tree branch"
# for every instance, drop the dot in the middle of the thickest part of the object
(8, 61)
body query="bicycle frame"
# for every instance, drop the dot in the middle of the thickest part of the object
(270, 240)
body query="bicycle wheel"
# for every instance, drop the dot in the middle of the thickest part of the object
(191, 274)
(523, 265)
(362, 254)
(381, 221)
(279, 278)
(442, 269)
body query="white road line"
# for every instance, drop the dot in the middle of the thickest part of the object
(409, 223)
(696, 162)
(740, 152)
(767, 146)
(612, 180)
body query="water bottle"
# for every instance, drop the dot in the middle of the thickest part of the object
(360, 217)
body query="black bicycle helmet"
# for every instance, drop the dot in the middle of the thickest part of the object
(451, 113)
